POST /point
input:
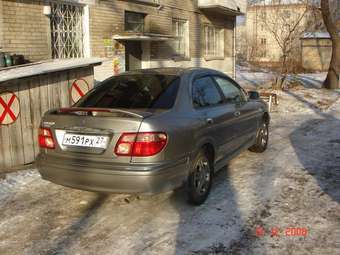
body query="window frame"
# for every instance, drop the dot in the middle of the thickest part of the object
(263, 49)
(185, 36)
(143, 15)
(81, 29)
(218, 44)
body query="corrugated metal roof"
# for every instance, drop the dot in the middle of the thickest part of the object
(56, 65)
(131, 36)
(311, 35)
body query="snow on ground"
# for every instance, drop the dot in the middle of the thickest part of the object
(249, 79)
(295, 183)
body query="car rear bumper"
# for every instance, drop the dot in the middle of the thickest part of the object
(116, 178)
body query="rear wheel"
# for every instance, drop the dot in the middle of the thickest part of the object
(200, 179)
(261, 139)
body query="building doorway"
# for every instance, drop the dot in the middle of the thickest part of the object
(133, 55)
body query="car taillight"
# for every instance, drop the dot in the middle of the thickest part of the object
(140, 144)
(45, 138)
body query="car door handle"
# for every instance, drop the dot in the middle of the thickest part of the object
(237, 113)
(209, 121)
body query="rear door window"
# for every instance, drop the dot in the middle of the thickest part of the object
(205, 93)
(147, 91)
(231, 92)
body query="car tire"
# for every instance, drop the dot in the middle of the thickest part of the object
(262, 138)
(200, 179)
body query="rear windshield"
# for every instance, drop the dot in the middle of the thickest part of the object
(147, 91)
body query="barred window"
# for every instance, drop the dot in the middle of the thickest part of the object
(181, 31)
(67, 30)
(214, 41)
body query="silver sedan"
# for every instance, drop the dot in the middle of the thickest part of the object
(152, 130)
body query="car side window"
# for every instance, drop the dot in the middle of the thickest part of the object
(231, 92)
(205, 93)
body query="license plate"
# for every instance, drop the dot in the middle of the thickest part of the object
(92, 141)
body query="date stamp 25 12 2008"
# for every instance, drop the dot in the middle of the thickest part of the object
(275, 231)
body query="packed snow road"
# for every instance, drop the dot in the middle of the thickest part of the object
(255, 202)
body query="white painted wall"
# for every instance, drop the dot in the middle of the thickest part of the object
(86, 31)
(104, 71)
(230, 4)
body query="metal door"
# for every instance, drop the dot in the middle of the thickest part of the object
(133, 55)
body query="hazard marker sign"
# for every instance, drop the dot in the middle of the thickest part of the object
(9, 108)
(78, 89)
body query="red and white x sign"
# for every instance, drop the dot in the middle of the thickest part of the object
(9, 108)
(78, 89)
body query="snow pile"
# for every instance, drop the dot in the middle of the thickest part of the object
(14, 181)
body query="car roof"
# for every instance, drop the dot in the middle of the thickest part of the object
(169, 71)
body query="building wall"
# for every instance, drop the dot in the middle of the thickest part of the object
(26, 30)
(1, 25)
(316, 54)
(103, 25)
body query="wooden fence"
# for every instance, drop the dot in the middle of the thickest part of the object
(36, 95)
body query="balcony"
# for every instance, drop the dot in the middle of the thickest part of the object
(228, 7)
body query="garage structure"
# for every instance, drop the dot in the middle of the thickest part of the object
(316, 51)
(26, 93)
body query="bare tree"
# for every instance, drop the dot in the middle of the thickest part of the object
(332, 80)
(286, 25)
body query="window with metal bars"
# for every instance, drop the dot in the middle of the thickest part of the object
(67, 30)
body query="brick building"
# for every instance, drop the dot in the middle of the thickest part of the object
(129, 34)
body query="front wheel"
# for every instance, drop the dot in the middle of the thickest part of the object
(262, 137)
(200, 179)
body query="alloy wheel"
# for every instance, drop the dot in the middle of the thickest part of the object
(264, 134)
(202, 175)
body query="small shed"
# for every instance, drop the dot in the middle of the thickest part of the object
(27, 92)
(316, 51)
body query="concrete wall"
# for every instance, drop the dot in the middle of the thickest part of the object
(316, 54)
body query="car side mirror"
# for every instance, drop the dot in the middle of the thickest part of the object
(253, 95)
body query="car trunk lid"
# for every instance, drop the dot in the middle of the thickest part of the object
(91, 133)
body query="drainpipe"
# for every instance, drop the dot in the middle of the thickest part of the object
(234, 49)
